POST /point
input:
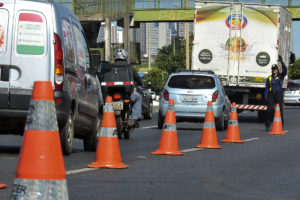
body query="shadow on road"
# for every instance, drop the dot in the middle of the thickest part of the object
(10, 149)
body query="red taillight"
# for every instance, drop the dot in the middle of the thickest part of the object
(117, 97)
(166, 95)
(57, 101)
(1, 4)
(215, 96)
(59, 64)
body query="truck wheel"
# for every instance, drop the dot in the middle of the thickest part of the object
(261, 115)
(119, 122)
(160, 121)
(220, 122)
(90, 142)
(67, 134)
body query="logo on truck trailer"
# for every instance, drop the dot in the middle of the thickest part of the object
(236, 21)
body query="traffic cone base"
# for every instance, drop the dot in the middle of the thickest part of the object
(39, 189)
(209, 137)
(41, 171)
(233, 132)
(2, 186)
(109, 156)
(168, 144)
(277, 123)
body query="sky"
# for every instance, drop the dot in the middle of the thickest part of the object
(297, 38)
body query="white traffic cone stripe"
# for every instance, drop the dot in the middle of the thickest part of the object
(108, 132)
(233, 123)
(209, 125)
(171, 107)
(169, 127)
(39, 189)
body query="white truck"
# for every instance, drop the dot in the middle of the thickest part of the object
(240, 42)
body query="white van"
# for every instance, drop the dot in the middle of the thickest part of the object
(43, 40)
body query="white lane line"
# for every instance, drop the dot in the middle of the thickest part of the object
(190, 150)
(76, 171)
(251, 139)
(148, 127)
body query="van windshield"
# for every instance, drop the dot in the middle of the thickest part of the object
(191, 82)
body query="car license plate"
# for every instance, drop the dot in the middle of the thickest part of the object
(118, 105)
(288, 92)
(190, 98)
(258, 79)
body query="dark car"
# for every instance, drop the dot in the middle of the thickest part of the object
(147, 105)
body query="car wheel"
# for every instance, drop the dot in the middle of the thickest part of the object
(90, 143)
(220, 122)
(67, 134)
(119, 122)
(160, 121)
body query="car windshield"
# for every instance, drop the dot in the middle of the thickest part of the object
(191, 82)
(293, 86)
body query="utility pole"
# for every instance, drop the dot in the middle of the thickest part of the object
(187, 40)
(149, 41)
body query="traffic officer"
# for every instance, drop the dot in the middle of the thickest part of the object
(273, 91)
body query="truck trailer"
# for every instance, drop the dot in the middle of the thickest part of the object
(240, 42)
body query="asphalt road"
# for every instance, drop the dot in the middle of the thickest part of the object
(264, 167)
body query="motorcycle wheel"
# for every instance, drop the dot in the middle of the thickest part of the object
(119, 122)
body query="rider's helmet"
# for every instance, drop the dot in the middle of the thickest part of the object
(121, 54)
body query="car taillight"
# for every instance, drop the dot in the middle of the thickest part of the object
(117, 97)
(215, 96)
(166, 95)
(59, 64)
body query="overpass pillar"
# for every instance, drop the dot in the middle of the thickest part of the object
(107, 40)
(126, 36)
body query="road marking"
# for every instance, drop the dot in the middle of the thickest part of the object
(76, 171)
(191, 150)
(251, 139)
(148, 127)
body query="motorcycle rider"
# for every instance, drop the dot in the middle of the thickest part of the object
(121, 57)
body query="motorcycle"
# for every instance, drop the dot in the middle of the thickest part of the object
(120, 92)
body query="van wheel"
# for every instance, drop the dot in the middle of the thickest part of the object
(67, 134)
(90, 143)
(220, 122)
(119, 122)
(160, 121)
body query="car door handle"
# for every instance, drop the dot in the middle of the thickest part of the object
(71, 71)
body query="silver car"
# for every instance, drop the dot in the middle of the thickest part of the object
(292, 93)
(191, 91)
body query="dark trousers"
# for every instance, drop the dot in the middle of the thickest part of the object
(273, 99)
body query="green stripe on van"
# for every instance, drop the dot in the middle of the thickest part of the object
(27, 49)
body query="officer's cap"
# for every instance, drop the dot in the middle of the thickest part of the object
(274, 66)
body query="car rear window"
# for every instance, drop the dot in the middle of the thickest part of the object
(293, 86)
(31, 33)
(3, 29)
(191, 82)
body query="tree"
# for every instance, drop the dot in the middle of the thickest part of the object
(294, 71)
(172, 57)
(156, 77)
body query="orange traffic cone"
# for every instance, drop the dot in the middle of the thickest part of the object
(209, 135)
(233, 133)
(41, 170)
(108, 151)
(2, 186)
(168, 143)
(277, 124)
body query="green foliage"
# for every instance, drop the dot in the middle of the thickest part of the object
(156, 77)
(171, 57)
(294, 71)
